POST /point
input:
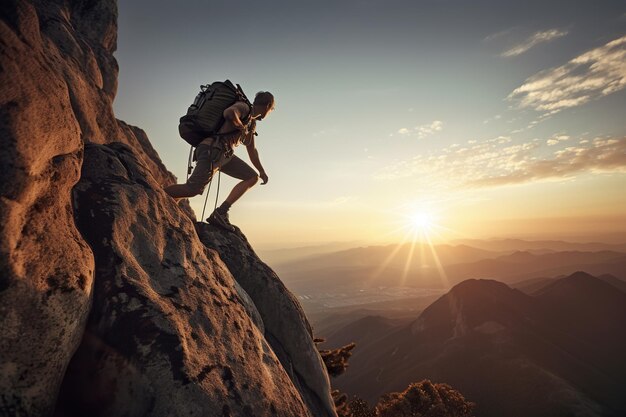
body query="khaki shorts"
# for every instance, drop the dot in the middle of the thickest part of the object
(210, 157)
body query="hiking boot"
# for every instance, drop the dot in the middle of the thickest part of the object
(220, 220)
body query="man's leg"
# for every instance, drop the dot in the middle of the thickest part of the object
(200, 177)
(240, 189)
(238, 169)
(178, 191)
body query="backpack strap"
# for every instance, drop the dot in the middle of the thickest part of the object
(241, 96)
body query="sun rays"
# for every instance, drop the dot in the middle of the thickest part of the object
(419, 229)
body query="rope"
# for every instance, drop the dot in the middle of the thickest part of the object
(206, 199)
(189, 162)
(219, 176)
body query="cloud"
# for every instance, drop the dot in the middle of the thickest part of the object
(557, 139)
(498, 35)
(342, 200)
(496, 117)
(534, 40)
(604, 155)
(594, 74)
(498, 162)
(423, 130)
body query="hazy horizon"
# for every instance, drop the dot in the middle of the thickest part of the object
(607, 238)
(400, 119)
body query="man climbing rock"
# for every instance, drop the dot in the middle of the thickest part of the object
(216, 152)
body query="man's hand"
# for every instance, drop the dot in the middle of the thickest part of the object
(237, 122)
(263, 176)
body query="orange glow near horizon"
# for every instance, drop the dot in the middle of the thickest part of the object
(409, 258)
(419, 228)
(387, 260)
(442, 273)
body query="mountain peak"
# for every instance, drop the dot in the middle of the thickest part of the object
(580, 276)
(469, 305)
(520, 256)
(479, 285)
(581, 296)
(577, 283)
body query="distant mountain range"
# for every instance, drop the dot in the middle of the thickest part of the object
(464, 250)
(533, 285)
(540, 245)
(558, 352)
(441, 266)
(392, 256)
(285, 255)
(525, 265)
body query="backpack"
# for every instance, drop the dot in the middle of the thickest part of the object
(205, 116)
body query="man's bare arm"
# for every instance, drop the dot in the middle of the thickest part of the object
(234, 114)
(253, 153)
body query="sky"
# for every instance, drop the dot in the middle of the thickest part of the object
(443, 118)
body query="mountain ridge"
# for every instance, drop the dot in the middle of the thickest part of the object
(521, 340)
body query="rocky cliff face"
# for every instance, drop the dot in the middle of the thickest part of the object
(282, 314)
(107, 294)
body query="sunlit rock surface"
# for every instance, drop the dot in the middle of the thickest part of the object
(168, 329)
(168, 323)
(286, 326)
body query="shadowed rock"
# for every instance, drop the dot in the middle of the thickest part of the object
(286, 326)
(169, 333)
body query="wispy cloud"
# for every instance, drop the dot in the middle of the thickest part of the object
(556, 139)
(603, 155)
(594, 74)
(534, 40)
(497, 162)
(489, 120)
(423, 130)
(497, 35)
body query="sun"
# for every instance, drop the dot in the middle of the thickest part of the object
(422, 221)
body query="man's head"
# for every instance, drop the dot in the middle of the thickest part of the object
(263, 104)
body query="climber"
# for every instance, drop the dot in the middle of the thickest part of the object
(217, 152)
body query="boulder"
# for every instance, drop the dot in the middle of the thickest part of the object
(105, 288)
(169, 332)
(286, 326)
(58, 79)
(46, 268)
